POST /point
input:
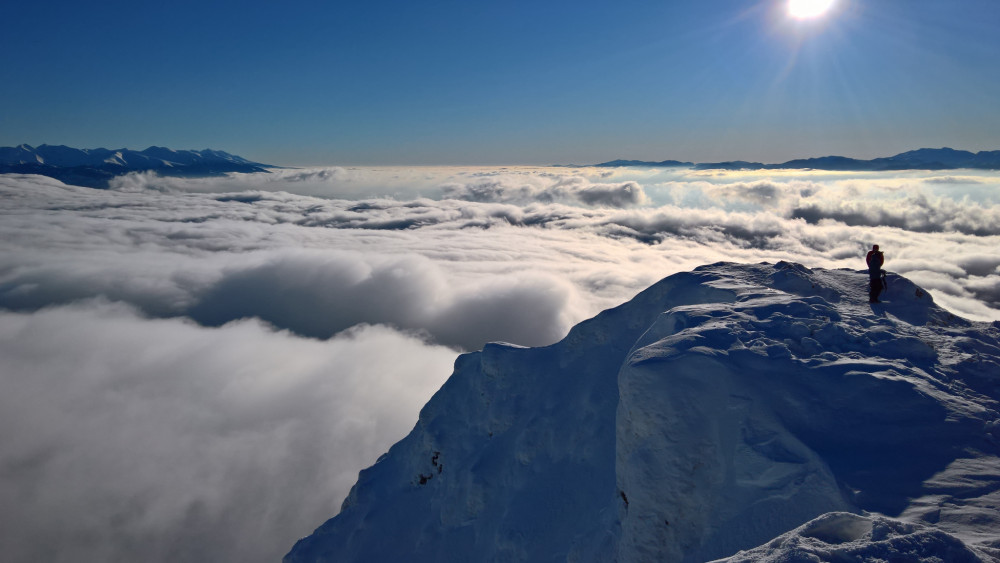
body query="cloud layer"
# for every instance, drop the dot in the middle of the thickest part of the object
(199, 367)
(130, 439)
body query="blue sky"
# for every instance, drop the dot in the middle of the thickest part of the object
(515, 82)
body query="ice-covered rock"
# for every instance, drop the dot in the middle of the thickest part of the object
(723, 409)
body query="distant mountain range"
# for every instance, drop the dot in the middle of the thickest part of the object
(921, 159)
(96, 167)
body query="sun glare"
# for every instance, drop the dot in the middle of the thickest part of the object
(808, 8)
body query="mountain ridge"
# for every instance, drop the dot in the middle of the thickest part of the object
(96, 167)
(736, 411)
(920, 159)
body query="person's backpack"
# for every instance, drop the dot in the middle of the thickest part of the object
(875, 260)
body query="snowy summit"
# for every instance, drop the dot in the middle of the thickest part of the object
(96, 167)
(737, 412)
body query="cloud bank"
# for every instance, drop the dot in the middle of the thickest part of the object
(130, 439)
(197, 368)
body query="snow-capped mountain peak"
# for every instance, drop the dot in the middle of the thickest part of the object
(716, 411)
(95, 167)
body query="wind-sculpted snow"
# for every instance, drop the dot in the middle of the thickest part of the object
(842, 536)
(723, 409)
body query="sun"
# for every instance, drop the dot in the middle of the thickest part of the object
(808, 8)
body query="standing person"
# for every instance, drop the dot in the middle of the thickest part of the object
(875, 259)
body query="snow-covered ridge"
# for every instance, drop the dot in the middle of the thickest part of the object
(94, 167)
(722, 409)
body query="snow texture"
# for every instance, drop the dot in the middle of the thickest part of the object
(756, 412)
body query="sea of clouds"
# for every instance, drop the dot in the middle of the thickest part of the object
(198, 368)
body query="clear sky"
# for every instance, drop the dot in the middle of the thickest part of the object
(516, 82)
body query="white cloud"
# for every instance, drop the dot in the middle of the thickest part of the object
(129, 439)
(547, 188)
(166, 252)
(321, 293)
(339, 182)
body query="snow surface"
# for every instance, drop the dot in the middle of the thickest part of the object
(750, 412)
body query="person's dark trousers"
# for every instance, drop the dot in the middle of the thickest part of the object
(874, 288)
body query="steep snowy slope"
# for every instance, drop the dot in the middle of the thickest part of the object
(717, 411)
